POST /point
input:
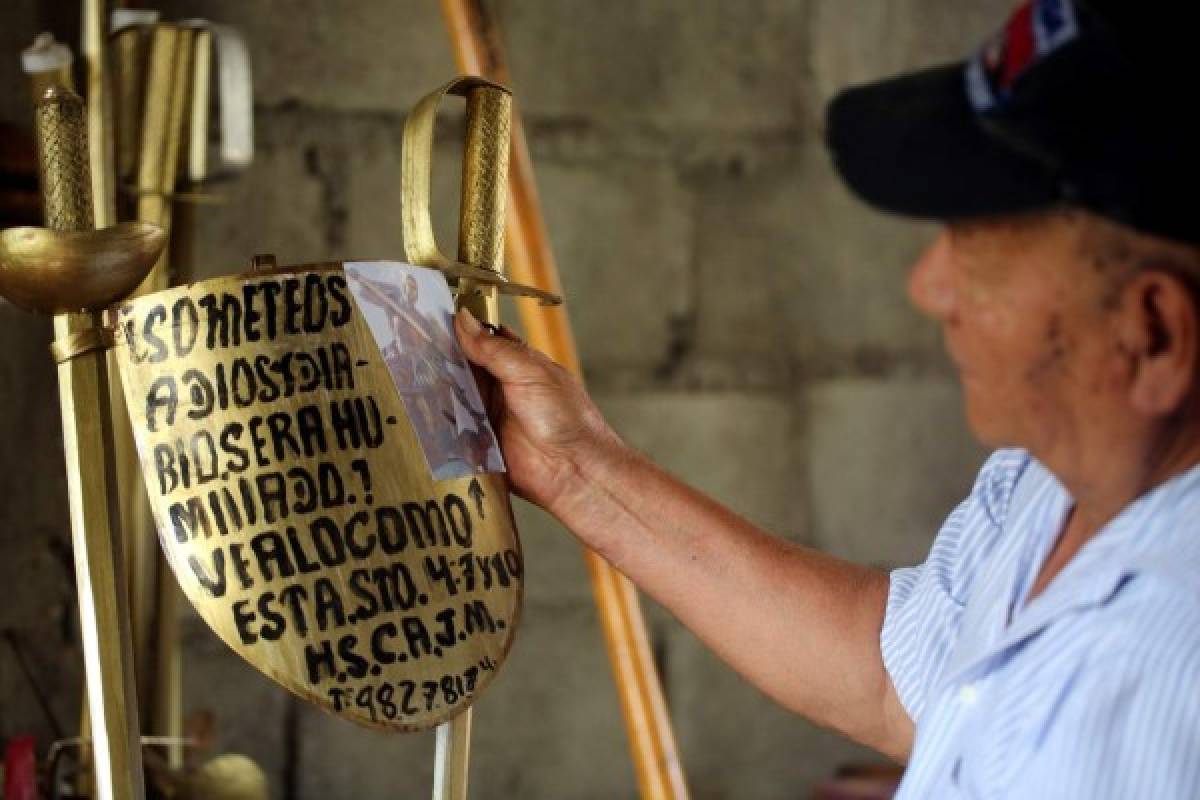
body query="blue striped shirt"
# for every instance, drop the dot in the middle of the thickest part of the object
(1088, 691)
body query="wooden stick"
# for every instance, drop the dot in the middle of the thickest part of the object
(478, 50)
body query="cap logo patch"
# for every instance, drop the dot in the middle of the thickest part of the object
(1036, 29)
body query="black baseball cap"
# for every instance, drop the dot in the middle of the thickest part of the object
(1086, 103)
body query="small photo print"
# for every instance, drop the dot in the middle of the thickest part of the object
(411, 315)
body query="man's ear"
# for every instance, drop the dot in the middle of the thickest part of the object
(1158, 333)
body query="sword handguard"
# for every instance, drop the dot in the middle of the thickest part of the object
(67, 265)
(420, 244)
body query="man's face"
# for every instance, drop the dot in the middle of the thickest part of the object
(1024, 321)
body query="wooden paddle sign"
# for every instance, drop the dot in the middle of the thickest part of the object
(326, 485)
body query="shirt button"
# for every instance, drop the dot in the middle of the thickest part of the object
(968, 695)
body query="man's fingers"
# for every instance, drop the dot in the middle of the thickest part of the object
(509, 333)
(503, 354)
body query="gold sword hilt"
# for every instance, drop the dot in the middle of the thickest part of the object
(60, 121)
(67, 265)
(484, 194)
(477, 272)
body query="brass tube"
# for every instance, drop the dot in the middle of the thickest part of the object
(141, 539)
(198, 110)
(167, 708)
(162, 118)
(99, 111)
(153, 69)
(130, 48)
(153, 591)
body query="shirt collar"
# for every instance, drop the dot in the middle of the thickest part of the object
(1154, 532)
(1154, 529)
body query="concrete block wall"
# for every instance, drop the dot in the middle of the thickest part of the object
(741, 318)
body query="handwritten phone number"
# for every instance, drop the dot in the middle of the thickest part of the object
(391, 701)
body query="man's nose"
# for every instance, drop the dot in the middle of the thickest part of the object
(931, 280)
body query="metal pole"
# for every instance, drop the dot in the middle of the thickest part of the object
(99, 113)
(452, 758)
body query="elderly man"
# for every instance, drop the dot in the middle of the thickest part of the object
(1050, 645)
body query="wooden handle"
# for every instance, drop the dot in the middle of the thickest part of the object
(478, 50)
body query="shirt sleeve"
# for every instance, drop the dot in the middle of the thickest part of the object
(1125, 726)
(925, 603)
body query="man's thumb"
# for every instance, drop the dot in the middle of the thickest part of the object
(505, 358)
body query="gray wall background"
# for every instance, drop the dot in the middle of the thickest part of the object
(741, 318)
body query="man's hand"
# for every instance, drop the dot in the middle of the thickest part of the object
(800, 625)
(549, 428)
